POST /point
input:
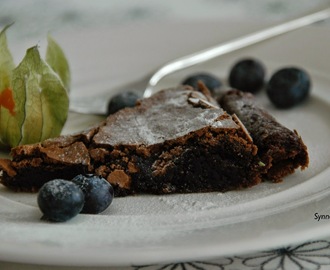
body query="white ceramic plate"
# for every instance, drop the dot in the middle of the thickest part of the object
(156, 229)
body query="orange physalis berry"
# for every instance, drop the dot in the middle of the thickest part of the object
(7, 100)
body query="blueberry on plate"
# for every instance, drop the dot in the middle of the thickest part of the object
(60, 200)
(122, 100)
(211, 82)
(247, 75)
(98, 193)
(288, 87)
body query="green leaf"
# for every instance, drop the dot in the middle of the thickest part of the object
(41, 102)
(6, 67)
(6, 61)
(34, 99)
(56, 59)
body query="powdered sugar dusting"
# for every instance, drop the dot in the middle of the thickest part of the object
(166, 119)
(187, 205)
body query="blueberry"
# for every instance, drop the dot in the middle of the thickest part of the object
(98, 193)
(210, 81)
(288, 87)
(60, 200)
(247, 75)
(122, 100)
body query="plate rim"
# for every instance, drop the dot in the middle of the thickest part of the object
(9, 252)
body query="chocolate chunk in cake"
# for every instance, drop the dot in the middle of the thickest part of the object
(280, 149)
(177, 141)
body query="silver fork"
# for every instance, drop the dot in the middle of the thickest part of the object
(147, 84)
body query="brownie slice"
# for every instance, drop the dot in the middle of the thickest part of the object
(280, 149)
(177, 141)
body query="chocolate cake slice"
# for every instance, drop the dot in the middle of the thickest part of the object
(177, 141)
(280, 149)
